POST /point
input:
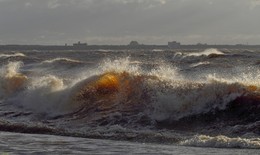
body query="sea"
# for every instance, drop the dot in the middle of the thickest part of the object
(179, 101)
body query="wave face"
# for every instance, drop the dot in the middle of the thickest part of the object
(161, 98)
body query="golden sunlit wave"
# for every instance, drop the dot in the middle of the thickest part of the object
(113, 91)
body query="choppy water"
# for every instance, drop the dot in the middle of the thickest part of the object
(173, 99)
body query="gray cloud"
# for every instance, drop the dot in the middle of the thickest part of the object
(120, 21)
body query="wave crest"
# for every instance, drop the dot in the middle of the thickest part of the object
(62, 60)
(12, 55)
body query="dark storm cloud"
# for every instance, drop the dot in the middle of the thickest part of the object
(120, 21)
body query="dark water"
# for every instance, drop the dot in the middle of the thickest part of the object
(171, 99)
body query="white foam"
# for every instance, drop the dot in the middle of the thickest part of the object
(245, 76)
(44, 94)
(185, 98)
(222, 142)
(119, 65)
(11, 69)
(165, 72)
(12, 55)
(61, 59)
(157, 50)
(199, 64)
(207, 52)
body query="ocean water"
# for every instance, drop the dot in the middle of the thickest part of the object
(130, 101)
(16, 143)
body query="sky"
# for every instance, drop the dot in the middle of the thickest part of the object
(117, 22)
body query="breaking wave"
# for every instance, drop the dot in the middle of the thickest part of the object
(208, 52)
(169, 97)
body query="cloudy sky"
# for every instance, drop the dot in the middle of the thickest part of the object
(120, 21)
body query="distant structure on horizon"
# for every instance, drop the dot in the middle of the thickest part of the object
(79, 44)
(174, 44)
(133, 44)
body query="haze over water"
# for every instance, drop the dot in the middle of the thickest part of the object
(117, 22)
